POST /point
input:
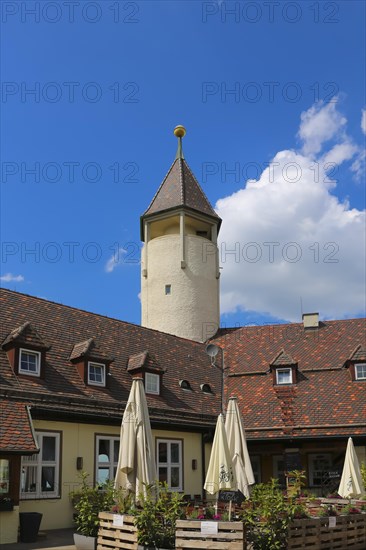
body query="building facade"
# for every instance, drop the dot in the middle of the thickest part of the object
(65, 375)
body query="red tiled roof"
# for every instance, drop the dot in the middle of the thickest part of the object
(25, 334)
(180, 188)
(324, 400)
(90, 350)
(359, 354)
(16, 433)
(62, 387)
(282, 358)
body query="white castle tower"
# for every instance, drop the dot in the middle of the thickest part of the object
(179, 264)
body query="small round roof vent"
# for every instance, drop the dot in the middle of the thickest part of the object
(206, 388)
(185, 385)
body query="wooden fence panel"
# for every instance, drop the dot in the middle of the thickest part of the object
(229, 536)
(116, 536)
(315, 533)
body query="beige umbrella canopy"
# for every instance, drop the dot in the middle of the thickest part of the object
(351, 485)
(136, 463)
(238, 447)
(220, 473)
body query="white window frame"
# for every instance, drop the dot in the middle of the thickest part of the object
(36, 461)
(311, 458)
(94, 382)
(111, 464)
(169, 465)
(37, 354)
(288, 370)
(149, 377)
(357, 376)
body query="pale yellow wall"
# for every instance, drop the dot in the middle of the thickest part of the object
(79, 440)
(9, 522)
(194, 289)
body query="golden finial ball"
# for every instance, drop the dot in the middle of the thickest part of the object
(179, 131)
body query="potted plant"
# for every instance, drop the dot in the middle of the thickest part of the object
(88, 501)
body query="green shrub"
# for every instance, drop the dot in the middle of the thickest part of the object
(88, 501)
(363, 473)
(156, 516)
(267, 514)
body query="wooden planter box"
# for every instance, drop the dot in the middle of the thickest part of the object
(111, 535)
(230, 536)
(315, 533)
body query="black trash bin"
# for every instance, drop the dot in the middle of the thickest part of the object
(29, 526)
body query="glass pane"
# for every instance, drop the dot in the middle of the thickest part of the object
(284, 377)
(28, 362)
(174, 475)
(48, 478)
(116, 451)
(29, 479)
(103, 475)
(163, 474)
(103, 455)
(49, 448)
(163, 452)
(174, 453)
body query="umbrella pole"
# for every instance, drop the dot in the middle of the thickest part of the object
(230, 505)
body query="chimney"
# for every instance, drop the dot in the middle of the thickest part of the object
(310, 320)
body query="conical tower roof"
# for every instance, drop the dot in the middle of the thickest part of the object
(180, 189)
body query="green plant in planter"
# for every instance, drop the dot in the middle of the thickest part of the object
(88, 501)
(155, 518)
(267, 515)
(350, 509)
(297, 480)
(363, 473)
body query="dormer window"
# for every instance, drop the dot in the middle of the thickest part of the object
(357, 363)
(283, 376)
(26, 351)
(96, 374)
(152, 383)
(284, 369)
(91, 362)
(360, 371)
(29, 362)
(206, 388)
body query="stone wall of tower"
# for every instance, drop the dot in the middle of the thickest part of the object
(191, 309)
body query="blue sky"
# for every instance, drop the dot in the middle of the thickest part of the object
(268, 91)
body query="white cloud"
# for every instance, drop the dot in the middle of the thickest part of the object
(363, 120)
(320, 124)
(340, 152)
(10, 278)
(115, 260)
(292, 238)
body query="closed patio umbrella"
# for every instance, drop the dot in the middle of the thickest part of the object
(351, 484)
(136, 462)
(220, 473)
(238, 447)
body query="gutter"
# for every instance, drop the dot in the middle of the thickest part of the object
(28, 409)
